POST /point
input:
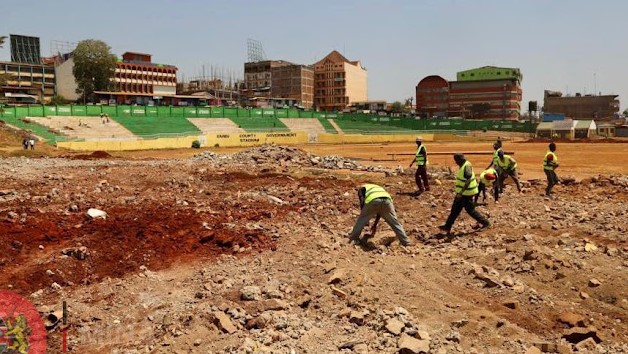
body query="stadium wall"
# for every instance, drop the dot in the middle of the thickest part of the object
(212, 140)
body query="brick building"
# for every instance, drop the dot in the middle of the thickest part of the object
(432, 97)
(338, 82)
(278, 80)
(483, 93)
(137, 80)
(294, 82)
(603, 107)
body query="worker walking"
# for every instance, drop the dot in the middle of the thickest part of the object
(550, 164)
(376, 202)
(488, 178)
(420, 177)
(466, 189)
(508, 167)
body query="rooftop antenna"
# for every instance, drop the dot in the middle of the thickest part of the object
(594, 85)
(255, 51)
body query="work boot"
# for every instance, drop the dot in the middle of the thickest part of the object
(355, 241)
(481, 226)
(445, 228)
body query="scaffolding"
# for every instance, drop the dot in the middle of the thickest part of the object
(25, 49)
(255, 51)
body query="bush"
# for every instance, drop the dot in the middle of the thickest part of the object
(196, 144)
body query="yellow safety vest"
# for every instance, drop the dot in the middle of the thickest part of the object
(496, 156)
(508, 164)
(487, 182)
(472, 189)
(421, 159)
(546, 165)
(374, 191)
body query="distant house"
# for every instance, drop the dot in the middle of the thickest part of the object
(584, 129)
(621, 131)
(606, 129)
(567, 129)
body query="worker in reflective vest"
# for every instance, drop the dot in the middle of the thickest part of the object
(487, 180)
(497, 147)
(420, 177)
(550, 164)
(466, 189)
(508, 166)
(376, 202)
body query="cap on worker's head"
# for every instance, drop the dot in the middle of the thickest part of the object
(419, 138)
(490, 176)
(500, 153)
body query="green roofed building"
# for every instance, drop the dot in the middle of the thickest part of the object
(489, 73)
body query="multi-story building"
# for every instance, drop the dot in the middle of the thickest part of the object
(432, 97)
(293, 82)
(278, 80)
(138, 80)
(484, 93)
(26, 83)
(603, 107)
(258, 78)
(338, 82)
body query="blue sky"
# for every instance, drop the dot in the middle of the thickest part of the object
(566, 45)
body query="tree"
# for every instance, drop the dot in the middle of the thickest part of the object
(625, 112)
(94, 66)
(3, 77)
(397, 107)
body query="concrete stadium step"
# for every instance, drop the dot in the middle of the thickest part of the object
(215, 125)
(310, 125)
(333, 123)
(89, 128)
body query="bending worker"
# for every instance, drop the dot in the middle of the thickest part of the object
(550, 164)
(508, 167)
(376, 202)
(420, 177)
(497, 147)
(487, 179)
(466, 189)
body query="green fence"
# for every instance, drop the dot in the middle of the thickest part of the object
(268, 114)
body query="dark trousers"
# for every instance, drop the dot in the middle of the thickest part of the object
(482, 190)
(465, 202)
(552, 179)
(420, 177)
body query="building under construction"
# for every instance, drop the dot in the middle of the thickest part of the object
(270, 81)
(602, 107)
(26, 79)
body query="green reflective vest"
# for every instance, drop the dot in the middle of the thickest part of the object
(546, 165)
(488, 182)
(508, 163)
(472, 189)
(496, 156)
(374, 191)
(421, 156)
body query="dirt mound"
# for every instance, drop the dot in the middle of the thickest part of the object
(94, 155)
(154, 237)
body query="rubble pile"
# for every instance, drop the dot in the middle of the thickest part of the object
(219, 261)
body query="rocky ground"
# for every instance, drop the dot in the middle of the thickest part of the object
(247, 253)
